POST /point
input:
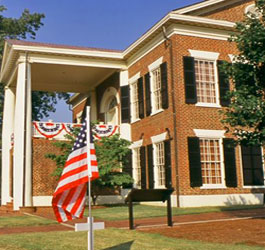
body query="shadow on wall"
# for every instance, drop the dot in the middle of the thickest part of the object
(124, 246)
(256, 199)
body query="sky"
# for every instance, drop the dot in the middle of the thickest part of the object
(111, 24)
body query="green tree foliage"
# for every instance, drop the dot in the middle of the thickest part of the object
(112, 155)
(245, 116)
(22, 28)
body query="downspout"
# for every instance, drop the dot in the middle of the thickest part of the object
(169, 44)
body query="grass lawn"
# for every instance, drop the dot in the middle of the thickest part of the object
(145, 211)
(109, 239)
(25, 220)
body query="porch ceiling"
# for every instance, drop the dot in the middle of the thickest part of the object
(66, 78)
(62, 69)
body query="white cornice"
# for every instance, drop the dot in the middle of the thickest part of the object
(180, 19)
(183, 24)
(198, 6)
(70, 52)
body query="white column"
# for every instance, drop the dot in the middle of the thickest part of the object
(7, 130)
(93, 104)
(19, 137)
(28, 160)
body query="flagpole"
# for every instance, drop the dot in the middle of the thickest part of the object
(90, 232)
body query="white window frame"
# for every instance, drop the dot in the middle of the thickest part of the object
(135, 147)
(152, 67)
(136, 167)
(132, 81)
(155, 141)
(209, 56)
(214, 135)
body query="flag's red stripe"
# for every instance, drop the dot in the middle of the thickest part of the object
(73, 172)
(79, 200)
(75, 159)
(55, 207)
(69, 197)
(71, 185)
(94, 163)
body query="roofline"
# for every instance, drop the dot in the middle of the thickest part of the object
(172, 17)
(74, 96)
(181, 18)
(203, 5)
(197, 6)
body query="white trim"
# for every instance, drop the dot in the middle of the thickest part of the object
(134, 78)
(156, 112)
(179, 29)
(198, 6)
(136, 120)
(136, 153)
(205, 7)
(109, 92)
(213, 186)
(248, 8)
(125, 131)
(124, 75)
(208, 105)
(159, 138)
(155, 64)
(199, 54)
(219, 200)
(66, 51)
(222, 167)
(178, 18)
(211, 134)
(39, 201)
(136, 144)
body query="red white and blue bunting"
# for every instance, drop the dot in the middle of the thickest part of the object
(104, 130)
(69, 127)
(50, 129)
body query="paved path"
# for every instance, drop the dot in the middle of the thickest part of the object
(147, 223)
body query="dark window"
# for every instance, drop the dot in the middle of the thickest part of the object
(252, 166)
(125, 104)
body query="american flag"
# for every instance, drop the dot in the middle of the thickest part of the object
(69, 197)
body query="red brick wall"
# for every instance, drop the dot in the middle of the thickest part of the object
(233, 13)
(43, 181)
(188, 117)
(78, 108)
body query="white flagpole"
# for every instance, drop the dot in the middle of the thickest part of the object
(90, 232)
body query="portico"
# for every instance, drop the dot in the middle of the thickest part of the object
(28, 67)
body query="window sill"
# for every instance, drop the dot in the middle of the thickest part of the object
(159, 187)
(208, 105)
(157, 112)
(213, 187)
(251, 187)
(136, 120)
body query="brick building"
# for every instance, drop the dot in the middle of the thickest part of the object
(165, 93)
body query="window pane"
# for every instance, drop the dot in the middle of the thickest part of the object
(160, 163)
(137, 167)
(205, 81)
(210, 161)
(157, 88)
(135, 101)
